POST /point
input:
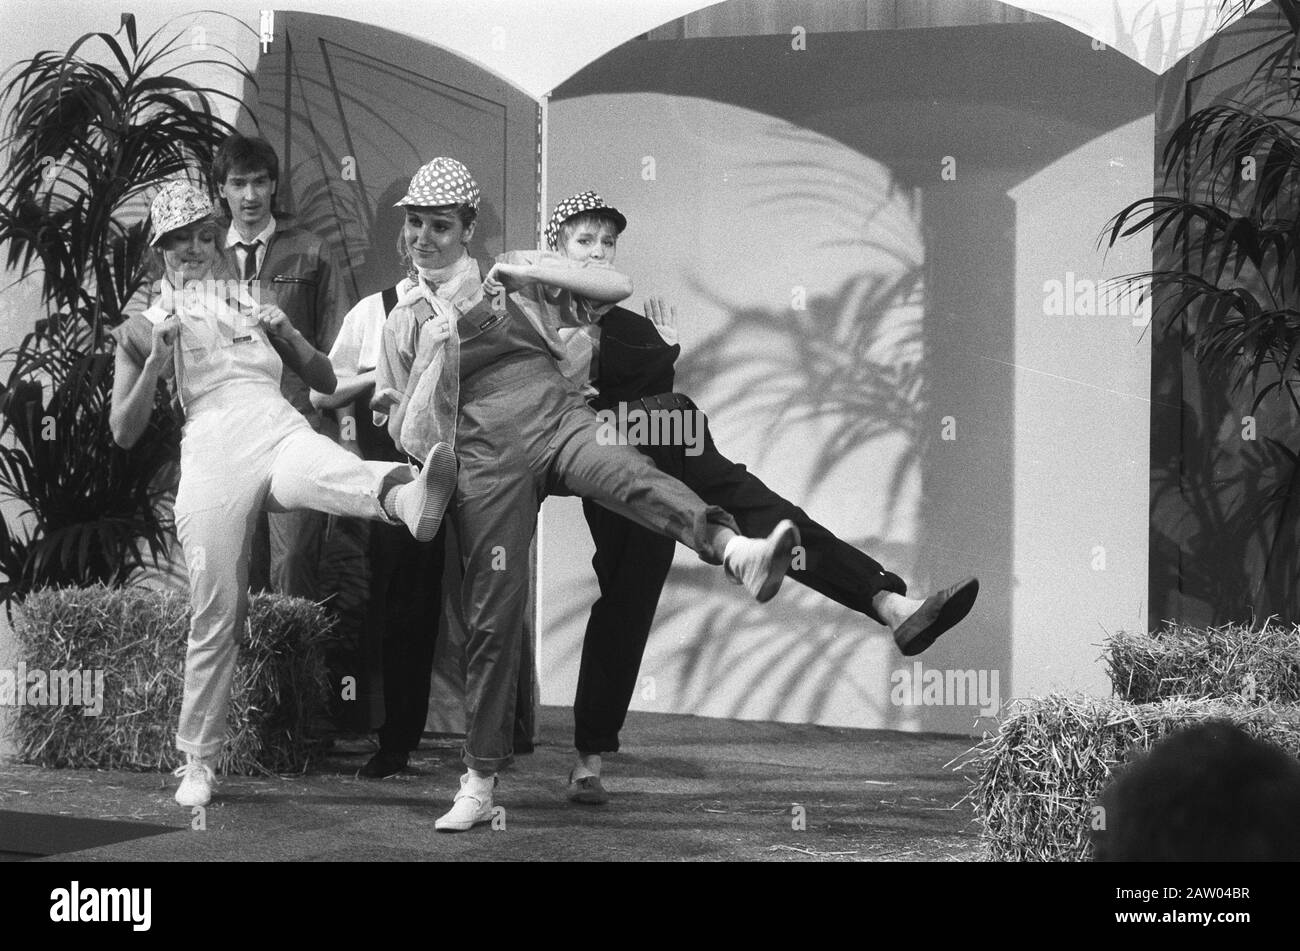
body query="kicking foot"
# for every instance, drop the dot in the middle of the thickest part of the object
(197, 781)
(421, 503)
(760, 564)
(472, 805)
(936, 614)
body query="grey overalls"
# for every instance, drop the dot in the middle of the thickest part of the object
(524, 432)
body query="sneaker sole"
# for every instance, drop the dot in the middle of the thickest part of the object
(441, 826)
(192, 805)
(439, 478)
(780, 564)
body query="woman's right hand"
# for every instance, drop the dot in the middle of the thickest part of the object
(165, 333)
(433, 334)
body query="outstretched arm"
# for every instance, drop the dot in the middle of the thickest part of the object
(349, 389)
(602, 285)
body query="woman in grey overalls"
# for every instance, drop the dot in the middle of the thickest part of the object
(523, 432)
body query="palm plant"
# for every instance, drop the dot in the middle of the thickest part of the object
(1227, 225)
(85, 141)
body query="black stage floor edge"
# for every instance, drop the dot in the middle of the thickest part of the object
(977, 903)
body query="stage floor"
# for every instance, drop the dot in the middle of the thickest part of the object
(685, 788)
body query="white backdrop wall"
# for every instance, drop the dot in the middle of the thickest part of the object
(772, 179)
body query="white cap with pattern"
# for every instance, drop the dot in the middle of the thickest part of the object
(176, 205)
(444, 181)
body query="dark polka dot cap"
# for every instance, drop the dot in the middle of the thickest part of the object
(577, 205)
(444, 181)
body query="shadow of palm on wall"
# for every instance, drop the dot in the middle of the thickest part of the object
(849, 361)
(846, 359)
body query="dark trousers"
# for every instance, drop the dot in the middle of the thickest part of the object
(288, 548)
(405, 606)
(632, 564)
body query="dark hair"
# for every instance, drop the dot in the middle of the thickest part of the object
(244, 152)
(467, 214)
(1210, 792)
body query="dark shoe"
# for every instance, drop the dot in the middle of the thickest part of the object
(935, 615)
(587, 791)
(384, 764)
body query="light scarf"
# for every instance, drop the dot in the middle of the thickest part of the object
(446, 293)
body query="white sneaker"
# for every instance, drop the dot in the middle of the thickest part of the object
(470, 808)
(760, 564)
(421, 503)
(197, 781)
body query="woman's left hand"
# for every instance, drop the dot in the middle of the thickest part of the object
(274, 321)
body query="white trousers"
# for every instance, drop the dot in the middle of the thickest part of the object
(244, 449)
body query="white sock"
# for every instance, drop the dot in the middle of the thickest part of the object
(588, 765)
(734, 555)
(391, 492)
(388, 502)
(896, 608)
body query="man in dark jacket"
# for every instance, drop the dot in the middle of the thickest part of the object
(291, 268)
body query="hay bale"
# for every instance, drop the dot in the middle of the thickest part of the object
(1226, 661)
(1039, 777)
(137, 638)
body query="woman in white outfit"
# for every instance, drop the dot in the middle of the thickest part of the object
(244, 448)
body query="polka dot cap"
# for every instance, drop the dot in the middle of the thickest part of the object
(576, 205)
(444, 181)
(176, 205)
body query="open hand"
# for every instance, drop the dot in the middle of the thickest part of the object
(664, 316)
(661, 313)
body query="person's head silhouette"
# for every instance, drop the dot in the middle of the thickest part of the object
(1210, 792)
